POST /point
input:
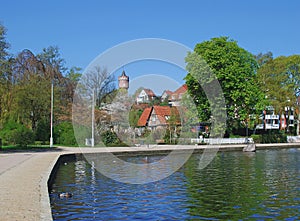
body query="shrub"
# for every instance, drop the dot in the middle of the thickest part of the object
(6, 132)
(274, 137)
(270, 137)
(64, 134)
(42, 133)
(256, 138)
(23, 136)
(14, 133)
(110, 138)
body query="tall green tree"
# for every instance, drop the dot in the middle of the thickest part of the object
(53, 62)
(235, 69)
(31, 90)
(3, 44)
(64, 81)
(279, 78)
(274, 81)
(263, 58)
(5, 76)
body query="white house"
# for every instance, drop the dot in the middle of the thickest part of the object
(145, 96)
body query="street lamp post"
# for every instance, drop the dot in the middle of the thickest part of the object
(51, 120)
(93, 118)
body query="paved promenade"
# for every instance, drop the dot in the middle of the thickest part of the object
(24, 176)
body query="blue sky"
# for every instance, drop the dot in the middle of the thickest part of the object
(84, 29)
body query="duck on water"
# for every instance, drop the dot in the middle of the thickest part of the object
(65, 195)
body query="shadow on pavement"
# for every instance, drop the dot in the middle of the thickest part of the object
(30, 150)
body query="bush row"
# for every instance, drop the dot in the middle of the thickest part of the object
(272, 137)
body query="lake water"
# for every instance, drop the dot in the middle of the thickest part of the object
(235, 185)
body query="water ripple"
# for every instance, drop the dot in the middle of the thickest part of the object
(235, 186)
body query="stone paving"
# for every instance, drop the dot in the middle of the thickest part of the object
(23, 186)
(24, 176)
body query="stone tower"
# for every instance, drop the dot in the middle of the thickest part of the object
(123, 81)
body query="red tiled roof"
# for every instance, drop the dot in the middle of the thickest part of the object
(162, 110)
(178, 92)
(181, 90)
(149, 92)
(168, 92)
(144, 117)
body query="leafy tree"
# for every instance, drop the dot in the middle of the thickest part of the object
(274, 82)
(134, 116)
(7, 130)
(110, 138)
(3, 45)
(172, 129)
(23, 136)
(66, 90)
(53, 63)
(235, 69)
(64, 134)
(189, 114)
(263, 58)
(279, 78)
(25, 83)
(16, 134)
(74, 74)
(64, 80)
(31, 90)
(5, 77)
(42, 132)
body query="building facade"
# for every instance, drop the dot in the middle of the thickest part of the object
(123, 81)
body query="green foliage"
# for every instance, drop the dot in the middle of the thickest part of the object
(256, 138)
(274, 137)
(235, 69)
(235, 136)
(134, 116)
(263, 58)
(52, 60)
(64, 134)
(270, 137)
(42, 132)
(280, 80)
(23, 136)
(155, 101)
(14, 133)
(82, 133)
(168, 136)
(110, 138)
(165, 102)
(74, 74)
(3, 43)
(6, 133)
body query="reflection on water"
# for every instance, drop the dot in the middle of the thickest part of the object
(234, 186)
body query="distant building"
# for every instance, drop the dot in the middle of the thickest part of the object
(166, 95)
(158, 117)
(175, 97)
(145, 96)
(123, 81)
(272, 121)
